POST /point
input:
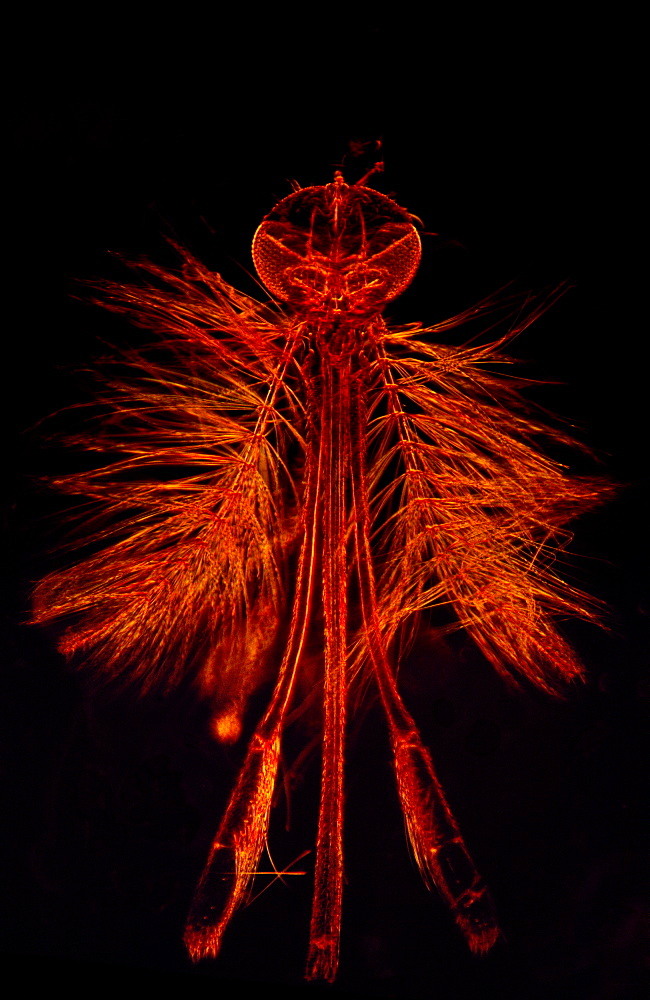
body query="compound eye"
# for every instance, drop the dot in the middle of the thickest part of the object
(333, 238)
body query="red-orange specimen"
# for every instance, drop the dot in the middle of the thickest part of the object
(280, 472)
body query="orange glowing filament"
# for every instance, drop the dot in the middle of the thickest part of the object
(325, 477)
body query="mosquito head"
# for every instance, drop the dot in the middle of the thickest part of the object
(337, 250)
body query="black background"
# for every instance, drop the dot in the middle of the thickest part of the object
(121, 132)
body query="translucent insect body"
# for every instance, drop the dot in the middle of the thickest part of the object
(327, 479)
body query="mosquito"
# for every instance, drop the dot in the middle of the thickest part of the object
(285, 491)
